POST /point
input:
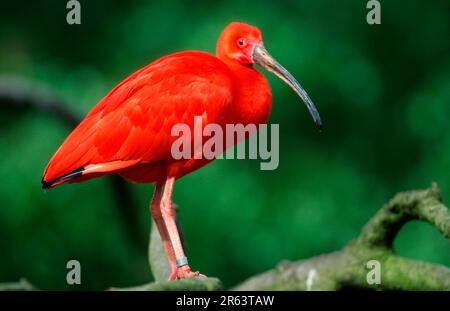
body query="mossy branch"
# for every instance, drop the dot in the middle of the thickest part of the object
(348, 268)
(344, 269)
(22, 285)
(423, 205)
(192, 284)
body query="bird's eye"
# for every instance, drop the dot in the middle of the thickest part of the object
(240, 42)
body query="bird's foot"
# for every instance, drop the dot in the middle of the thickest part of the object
(184, 272)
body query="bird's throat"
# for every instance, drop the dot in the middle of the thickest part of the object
(253, 99)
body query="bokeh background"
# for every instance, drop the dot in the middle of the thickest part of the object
(383, 92)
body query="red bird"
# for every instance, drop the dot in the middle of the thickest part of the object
(128, 132)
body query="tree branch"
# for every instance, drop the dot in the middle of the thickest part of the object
(22, 285)
(348, 268)
(421, 204)
(192, 284)
(19, 94)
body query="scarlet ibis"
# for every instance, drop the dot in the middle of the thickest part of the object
(128, 132)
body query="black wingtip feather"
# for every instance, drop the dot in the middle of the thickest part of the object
(75, 173)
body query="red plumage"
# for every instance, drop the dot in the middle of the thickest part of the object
(129, 131)
(132, 124)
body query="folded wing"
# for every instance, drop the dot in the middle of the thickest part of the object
(132, 124)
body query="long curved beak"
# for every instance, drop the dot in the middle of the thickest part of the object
(262, 58)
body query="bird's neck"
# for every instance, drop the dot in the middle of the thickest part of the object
(252, 98)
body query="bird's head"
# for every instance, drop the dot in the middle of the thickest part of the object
(242, 44)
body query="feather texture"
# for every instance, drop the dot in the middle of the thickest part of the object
(133, 122)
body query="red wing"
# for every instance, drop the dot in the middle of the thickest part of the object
(133, 123)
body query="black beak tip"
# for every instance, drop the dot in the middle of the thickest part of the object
(319, 127)
(318, 124)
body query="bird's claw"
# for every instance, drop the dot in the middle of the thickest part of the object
(184, 272)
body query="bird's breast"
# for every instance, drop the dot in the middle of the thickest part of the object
(252, 100)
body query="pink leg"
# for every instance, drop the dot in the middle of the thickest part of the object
(157, 217)
(183, 269)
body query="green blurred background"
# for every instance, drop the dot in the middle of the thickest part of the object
(383, 92)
